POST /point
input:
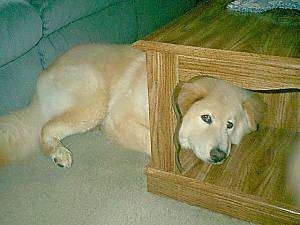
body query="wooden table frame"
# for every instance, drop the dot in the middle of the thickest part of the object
(165, 70)
(249, 191)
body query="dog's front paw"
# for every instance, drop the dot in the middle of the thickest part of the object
(62, 157)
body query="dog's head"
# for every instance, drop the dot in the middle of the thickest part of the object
(216, 115)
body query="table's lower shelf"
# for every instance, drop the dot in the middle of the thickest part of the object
(220, 199)
(250, 185)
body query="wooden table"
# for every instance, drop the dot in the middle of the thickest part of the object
(254, 51)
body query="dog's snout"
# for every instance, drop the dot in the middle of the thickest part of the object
(217, 155)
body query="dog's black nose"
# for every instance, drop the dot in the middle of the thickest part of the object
(217, 155)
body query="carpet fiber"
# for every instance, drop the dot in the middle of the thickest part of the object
(105, 185)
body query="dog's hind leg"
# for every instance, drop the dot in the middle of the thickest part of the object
(77, 119)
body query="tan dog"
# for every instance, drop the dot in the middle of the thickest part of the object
(93, 84)
(216, 115)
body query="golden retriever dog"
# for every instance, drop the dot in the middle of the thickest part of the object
(106, 84)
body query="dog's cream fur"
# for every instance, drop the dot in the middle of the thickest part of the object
(93, 84)
(223, 103)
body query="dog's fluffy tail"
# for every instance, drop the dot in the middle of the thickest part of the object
(19, 133)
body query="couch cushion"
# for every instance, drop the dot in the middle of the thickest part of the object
(18, 81)
(20, 29)
(56, 14)
(114, 24)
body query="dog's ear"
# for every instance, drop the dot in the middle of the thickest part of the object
(190, 93)
(254, 109)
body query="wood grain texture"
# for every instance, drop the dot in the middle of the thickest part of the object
(254, 51)
(162, 78)
(220, 199)
(211, 25)
(247, 70)
(282, 109)
(256, 167)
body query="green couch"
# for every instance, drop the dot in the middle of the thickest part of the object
(34, 32)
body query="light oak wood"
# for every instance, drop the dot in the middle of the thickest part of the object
(247, 70)
(161, 79)
(258, 52)
(253, 167)
(212, 26)
(223, 200)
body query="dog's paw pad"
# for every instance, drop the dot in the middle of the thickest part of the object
(62, 157)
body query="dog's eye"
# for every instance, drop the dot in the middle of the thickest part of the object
(229, 125)
(206, 119)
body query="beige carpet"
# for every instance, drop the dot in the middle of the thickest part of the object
(106, 185)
